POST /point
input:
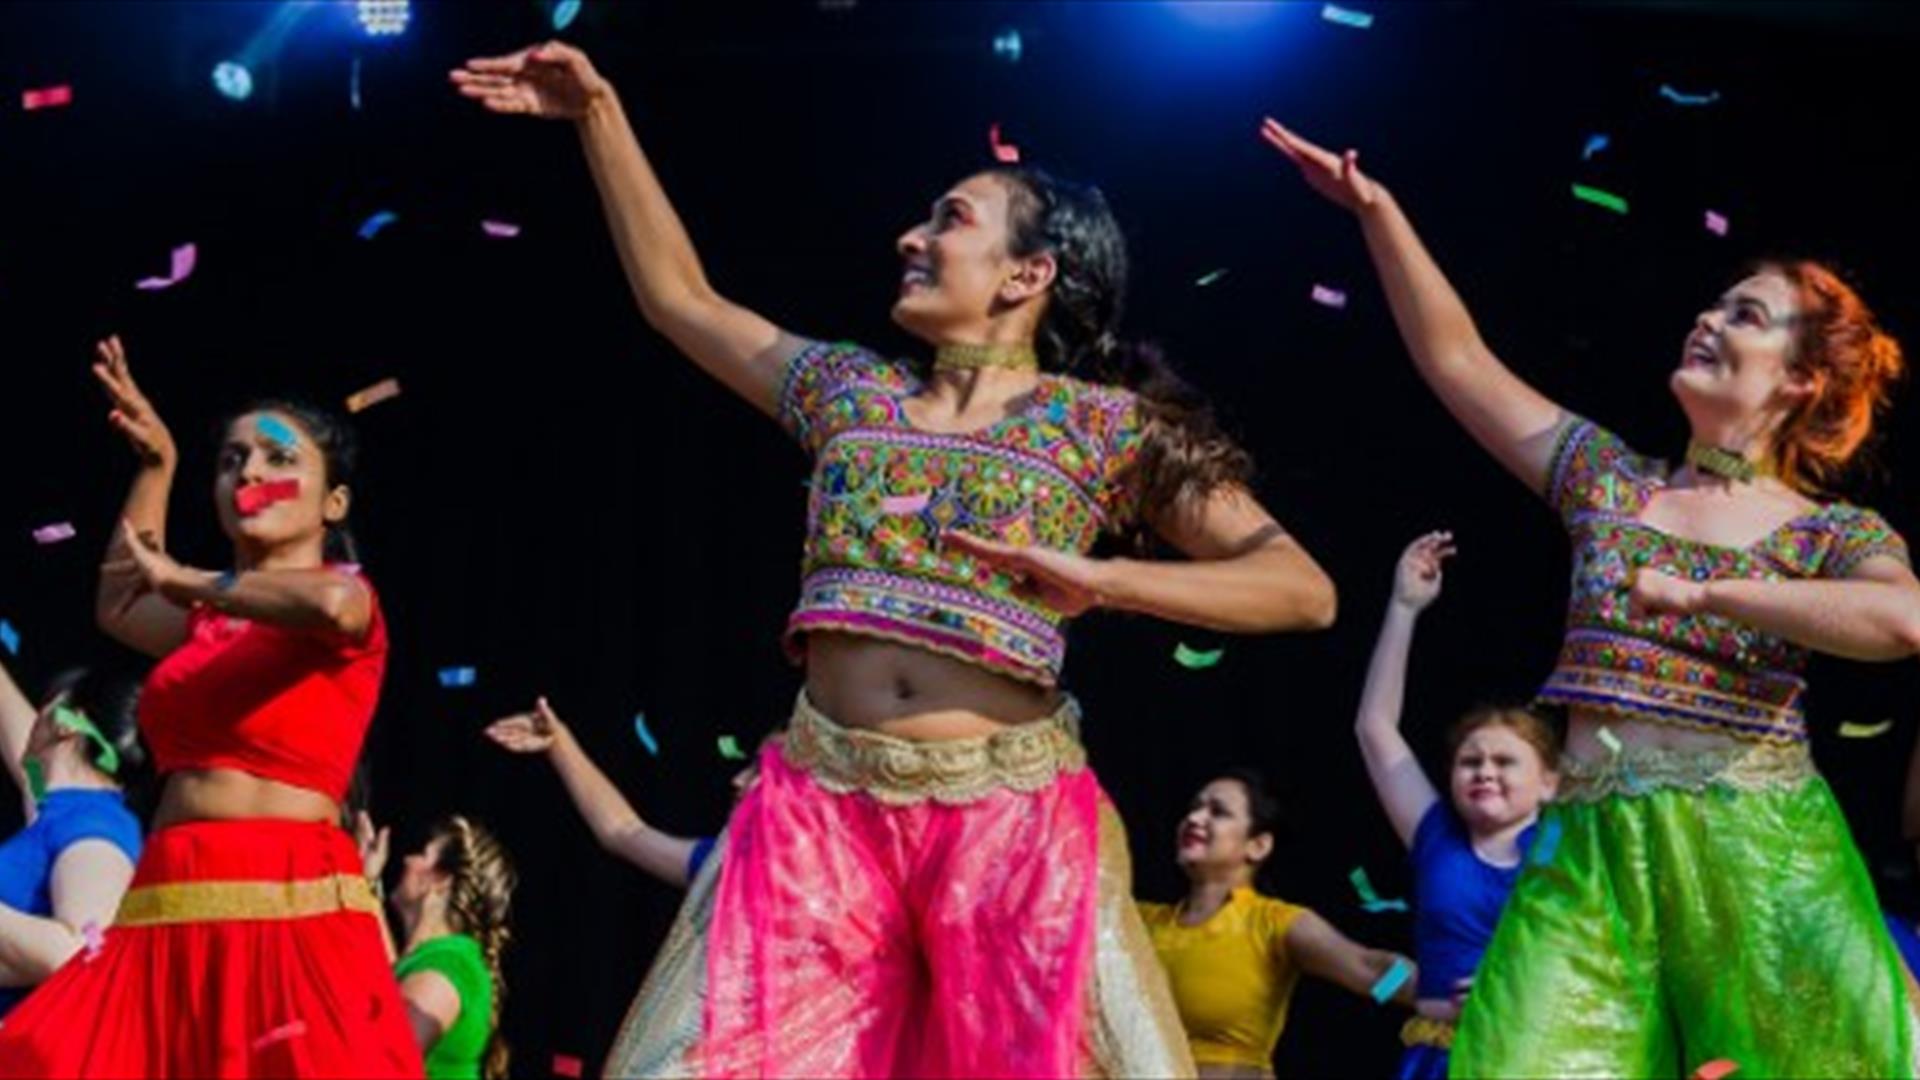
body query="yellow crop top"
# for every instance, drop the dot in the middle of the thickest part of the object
(1232, 977)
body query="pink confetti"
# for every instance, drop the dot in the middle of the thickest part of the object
(1002, 151)
(95, 940)
(54, 533)
(1716, 224)
(1715, 1069)
(500, 228)
(292, 1029)
(184, 257)
(566, 1065)
(46, 97)
(1332, 298)
(905, 504)
(373, 395)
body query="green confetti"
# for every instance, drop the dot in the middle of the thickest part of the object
(1865, 731)
(730, 749)
(1210, 277)
(1606, 199)
(1370, 900)
(1609, 740)
(1195, 659)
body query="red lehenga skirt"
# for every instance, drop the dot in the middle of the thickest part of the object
(242, 949)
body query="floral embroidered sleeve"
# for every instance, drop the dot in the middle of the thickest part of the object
(1860, 535)
(824, 387)
(1593, 469)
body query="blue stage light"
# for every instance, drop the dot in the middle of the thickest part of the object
(233, 80)
(383, 18)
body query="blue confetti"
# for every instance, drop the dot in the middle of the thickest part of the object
(1545, 843)
(1391, 982)
(1679, 98)
(1595, 144)
(276, 431)
(457, 676)
(9, 637)
(564, 13)
(378, 221)
(1359, 20)
(646, 737)
(1007, 46)
(353, 84)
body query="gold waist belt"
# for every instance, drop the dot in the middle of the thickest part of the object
(902, 772)
(1426, 1031)
(1637, 770)
(228, 901)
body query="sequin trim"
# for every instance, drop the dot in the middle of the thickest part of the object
(1426, 1031)
(174, 902)
(1641, 770)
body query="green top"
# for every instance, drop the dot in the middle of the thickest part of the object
(459, 1052)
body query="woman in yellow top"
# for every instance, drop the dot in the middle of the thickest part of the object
(1232, 956)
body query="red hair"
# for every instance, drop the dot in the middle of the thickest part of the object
(1853, 363)
(1524, 722)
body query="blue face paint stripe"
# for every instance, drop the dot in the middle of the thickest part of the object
(276, 430)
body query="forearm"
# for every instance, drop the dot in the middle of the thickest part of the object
(327, 601)
(146, 510)
(657, 254)
(1272, 588)
(1858, 620)
(16, 720)
(1433, 320)
(1383, 698)
(616, 825)
(32, 947)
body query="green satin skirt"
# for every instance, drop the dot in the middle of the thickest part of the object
(1680, 908)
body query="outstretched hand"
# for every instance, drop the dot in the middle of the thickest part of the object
(372, 843)
(133, 415)
(1336, 176)
(135, 561)
(553, 80)
(1068, 583)
(1418, 578)
(528, 732)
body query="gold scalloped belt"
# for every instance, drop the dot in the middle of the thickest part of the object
(1637, 770)
(900, 772)
(1426, 1031)
(228, 901)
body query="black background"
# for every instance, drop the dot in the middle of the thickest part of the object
(561, 502)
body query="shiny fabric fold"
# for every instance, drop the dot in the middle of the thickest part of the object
(1697, 911)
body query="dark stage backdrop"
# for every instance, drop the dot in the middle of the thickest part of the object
(563, 503)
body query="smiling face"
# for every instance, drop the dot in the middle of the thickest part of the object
(1498, 779)
(1736, 369)
(957, 278)
(1217, 835)
(266, 448)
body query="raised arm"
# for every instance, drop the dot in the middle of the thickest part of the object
(615, 824)
(1322, 951)
(125, 606)
(16, 725)
(737, 346)
(329, 603)
(1512, 420)
(1399, 782)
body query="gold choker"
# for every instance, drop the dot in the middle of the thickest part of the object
(973, 357)
(1725, 463)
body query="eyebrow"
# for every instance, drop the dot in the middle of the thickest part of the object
(1751, 299)
(953, 197)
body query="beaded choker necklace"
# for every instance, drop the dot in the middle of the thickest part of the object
(1725, 463)
(971, 357)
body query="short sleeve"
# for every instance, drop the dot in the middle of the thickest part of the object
(1118, 426)
(829, 385)
(1860, 534)
(109, 821)
(1275, 918)
(465, 968)
(1438, 831)
(1593, 470)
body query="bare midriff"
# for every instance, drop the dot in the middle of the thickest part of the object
(232, 795)
(910, 693)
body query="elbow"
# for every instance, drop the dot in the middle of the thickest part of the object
(341, 611)
(1315, 606)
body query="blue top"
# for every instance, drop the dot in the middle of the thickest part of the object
(1457, 898)
(64, 818)
(1907, 940)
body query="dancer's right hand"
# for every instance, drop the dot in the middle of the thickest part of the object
(133, 415)
(372, 843)
(1417, 580)
(1337, 176)
(555, 81)
(529, 732)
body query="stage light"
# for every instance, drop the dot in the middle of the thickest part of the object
(1006, 46)
(1224, 14)
(233, 80)
(383, 18)
(564, 13)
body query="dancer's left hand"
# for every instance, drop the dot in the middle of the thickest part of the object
(372, 843)
(1068, 583)
(1652, 593)
(141, 564)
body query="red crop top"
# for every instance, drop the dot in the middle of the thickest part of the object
(275, 703)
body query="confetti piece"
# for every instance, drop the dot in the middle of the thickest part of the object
(1595, 143)
(1865, 731)
(353, 84)
(905, 504)
(1333, 13)
(1195, 659)
(1210, 277)
(293, 1029)
(646, 737)
(1007, 46)
(1370, 900)
(380, 220)
(276, 431)
(1332, 298)
(347, 567)
(1679, 98)
(254, 498)
(1714, 1070)
(1716, 224)
(54, 533)
(457, 676)
(46, 97)
(500, 228)
(184, 257)
(1545, 842)
(9, 637)
(1609, 740)
(564, 13)
(730, 749)
(1597, 197)
(1006, 153)
(567, 1065)
(1391, 982)
(94, 939)
(373, 395)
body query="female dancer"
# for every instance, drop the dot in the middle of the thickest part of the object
(925, 879)
(248, 944)
(454, 902)
(1466, 850)
(61, 877)
(1706, 900)
(1233, 956)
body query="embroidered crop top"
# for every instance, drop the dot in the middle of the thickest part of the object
(275, 703)
(1699, 671)
(883, 491)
